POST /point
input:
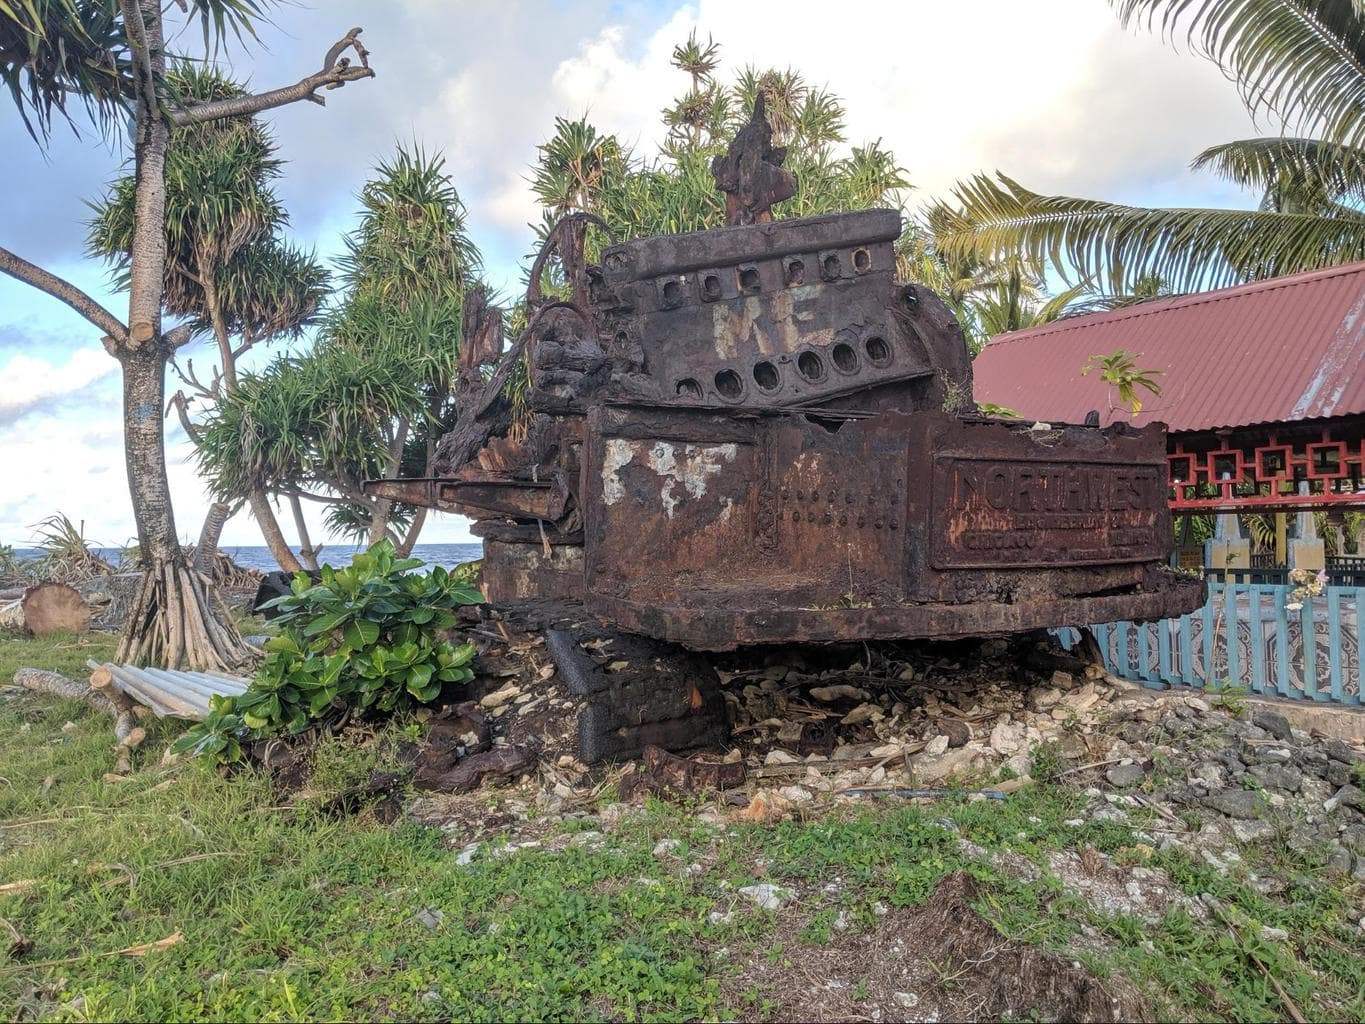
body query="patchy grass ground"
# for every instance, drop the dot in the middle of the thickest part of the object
(286, 913)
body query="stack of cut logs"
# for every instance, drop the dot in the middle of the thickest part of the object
(131, 694)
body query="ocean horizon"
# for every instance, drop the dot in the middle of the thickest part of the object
(258, 557)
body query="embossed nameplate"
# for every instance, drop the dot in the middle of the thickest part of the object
(1011, 513)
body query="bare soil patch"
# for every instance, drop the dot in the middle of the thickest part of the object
(939, 961)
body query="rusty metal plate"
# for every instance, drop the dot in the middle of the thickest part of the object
(718, 531)
(1039, 512)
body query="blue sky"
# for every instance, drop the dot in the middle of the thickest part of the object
(1058, 95)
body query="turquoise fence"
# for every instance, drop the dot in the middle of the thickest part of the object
(1247, 635)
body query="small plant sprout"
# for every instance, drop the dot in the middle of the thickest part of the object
(1120, 370)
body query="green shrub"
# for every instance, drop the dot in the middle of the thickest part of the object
(361, 638)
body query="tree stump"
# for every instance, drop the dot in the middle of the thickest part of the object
(48, 608)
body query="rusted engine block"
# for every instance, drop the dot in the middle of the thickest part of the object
(755, 435)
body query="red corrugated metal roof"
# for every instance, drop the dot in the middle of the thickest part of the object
(1289, 348)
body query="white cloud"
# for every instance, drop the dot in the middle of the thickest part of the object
(28, 383)
(74, 465)
(1058, 96)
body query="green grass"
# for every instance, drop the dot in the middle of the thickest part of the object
(289, 914)
(61, 652)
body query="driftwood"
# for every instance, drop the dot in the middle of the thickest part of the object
(47, 608)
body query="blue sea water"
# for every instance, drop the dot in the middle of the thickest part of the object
(249, 557)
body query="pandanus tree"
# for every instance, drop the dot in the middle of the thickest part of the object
(106, 61)
(227, 271)
(581, 170)
(1298, 62)
(375, 392)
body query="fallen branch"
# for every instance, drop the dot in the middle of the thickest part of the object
(1087, 767)
(140, 950)
(54, 684)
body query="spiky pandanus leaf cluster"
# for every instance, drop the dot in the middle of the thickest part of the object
(58, 53)
(223, 223)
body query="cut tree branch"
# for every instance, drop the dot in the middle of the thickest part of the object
(336, 72)
(22, 270)
(178, 336)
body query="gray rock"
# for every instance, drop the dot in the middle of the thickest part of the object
(1340, 750)
(1255, 830)
(1229, 759)
(1353, 837)
(1339, 861)
(1307, 838)
(1125, 775)
(766, 895)
(1208, 774)
(430, 918)
(667, 848)
(1108, 813)
(1338, 773)
(1346, 796)
(1272, 722)
(1277, 776)
(1237, 803)
(1247, 731)
(1268, 755)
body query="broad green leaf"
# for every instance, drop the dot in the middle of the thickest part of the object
(361, 633)
(326, 623)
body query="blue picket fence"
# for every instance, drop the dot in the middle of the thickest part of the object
(1247, 636)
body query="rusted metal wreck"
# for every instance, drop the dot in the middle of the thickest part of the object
(756, 435)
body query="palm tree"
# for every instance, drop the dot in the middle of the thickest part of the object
(1299, 61)
(110, 56)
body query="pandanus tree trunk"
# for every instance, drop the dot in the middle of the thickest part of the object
(218, 515)
(173, 622)
(270, 530)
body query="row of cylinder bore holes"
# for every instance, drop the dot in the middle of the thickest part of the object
(831, 269)
(809, 364)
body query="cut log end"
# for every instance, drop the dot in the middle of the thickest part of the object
(48, 608)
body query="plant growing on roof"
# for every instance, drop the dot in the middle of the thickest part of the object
(364, 638)
(1120, 370)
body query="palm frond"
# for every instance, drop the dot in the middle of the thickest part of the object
(1189, 249)
(1302, 60)
(1285, 166)
(58, 53)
